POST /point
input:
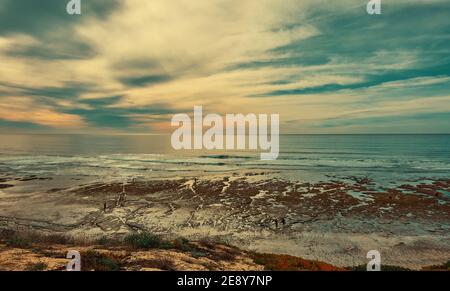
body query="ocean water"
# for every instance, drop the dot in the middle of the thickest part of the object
(384, 158)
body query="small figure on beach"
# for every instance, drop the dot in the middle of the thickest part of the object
(121, 200)
(104, 207)
(278, 220)
(122, 197)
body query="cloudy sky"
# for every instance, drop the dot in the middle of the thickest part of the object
(126, 66)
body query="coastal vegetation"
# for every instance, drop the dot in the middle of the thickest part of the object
(37, 251)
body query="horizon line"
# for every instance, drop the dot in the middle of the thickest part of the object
(150, 134)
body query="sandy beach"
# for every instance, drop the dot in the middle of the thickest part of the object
(336, 222)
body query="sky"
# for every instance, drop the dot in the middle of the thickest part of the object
(127, 66)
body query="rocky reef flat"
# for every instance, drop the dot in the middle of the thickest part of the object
(336, 221)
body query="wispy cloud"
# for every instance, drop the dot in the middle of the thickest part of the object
(22, 109)
(128, 64)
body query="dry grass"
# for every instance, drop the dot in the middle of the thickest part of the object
(158, 264)
(112, 257)
(443, 267)
(26, 239)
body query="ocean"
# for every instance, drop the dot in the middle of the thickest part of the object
(384, 158)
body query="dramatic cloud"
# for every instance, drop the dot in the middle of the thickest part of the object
(127, 65)
(20, 109)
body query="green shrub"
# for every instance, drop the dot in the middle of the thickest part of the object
(18, 241)
(146, 241)
(104, 241)
(37, 267)
(198, 254)
(181, 244)
(92, 260)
